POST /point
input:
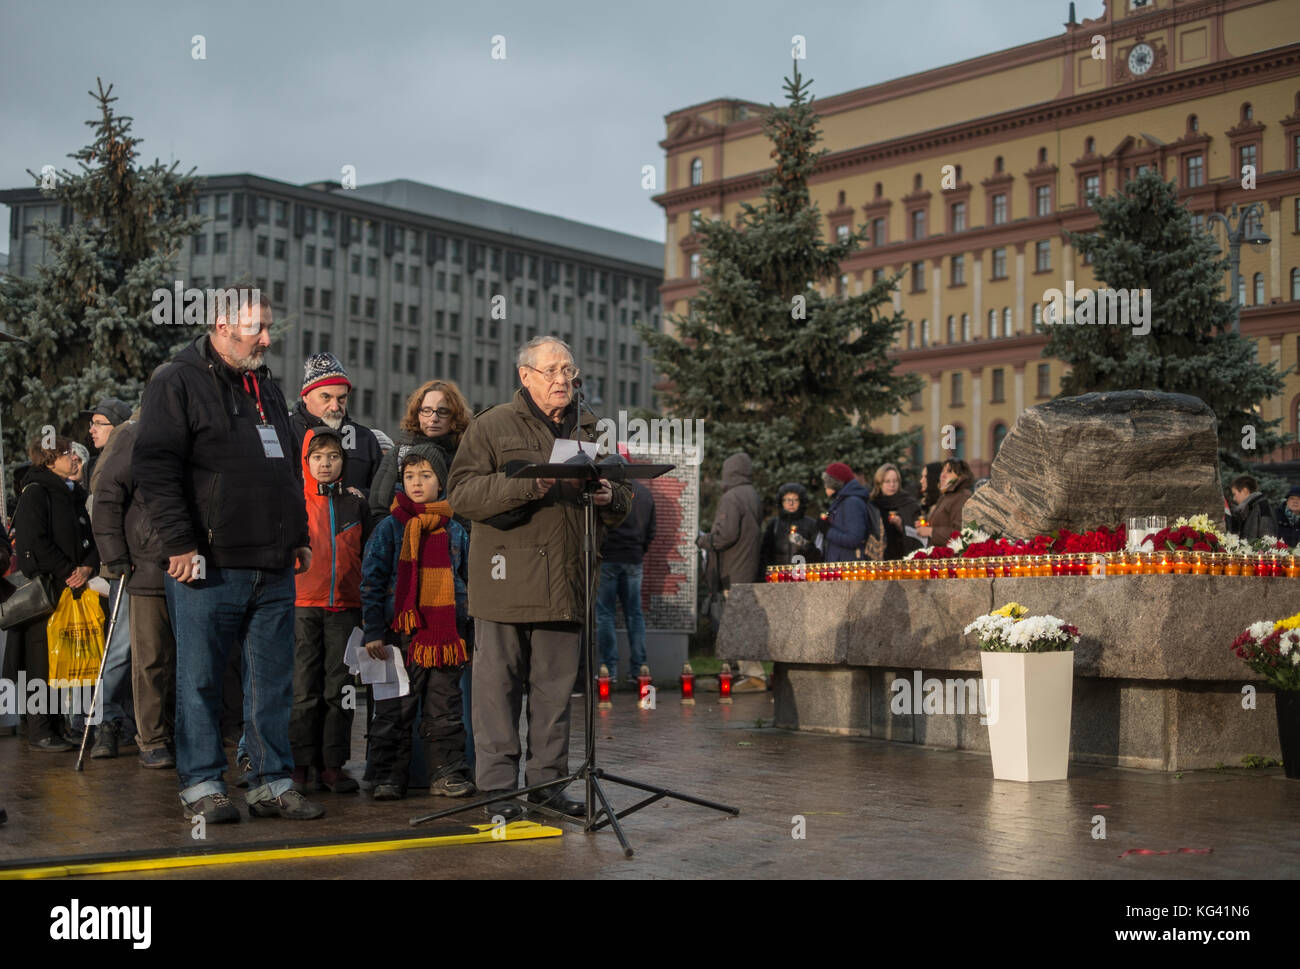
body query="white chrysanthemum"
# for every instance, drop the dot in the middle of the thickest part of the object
(1258, 630)
(1288, 642)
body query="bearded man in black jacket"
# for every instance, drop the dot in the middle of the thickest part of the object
(216, 464)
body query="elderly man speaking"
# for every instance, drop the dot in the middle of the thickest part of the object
(525, 575)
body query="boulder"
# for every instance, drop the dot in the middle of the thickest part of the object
(1083, 462)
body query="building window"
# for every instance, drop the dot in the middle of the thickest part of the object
(1259, 289)
(1036, 317)
(958, 216)
(309, 255)
(199, 245)
(368, 355)
(1091, 188)
(1000, 263)
(221, 242)
(412, 316)
(261, 247)
(397, 312)
(697, 172)
(1195, 171)
(925, 333)
(1249, 155)
(1042, 256)
(965, 327)
(916, 401)
(355, 264)
(277, 292)
(952, 329)
(354, 304)
(1006, 321)
(918, 278)
(918, 224)
(877, 232)
(1241, 290)
(306, 343)
(1043, 200)
(371, 308)
(695, 265)
(911, 335)
(993, 324)
(223, 207)
(399, 272)
(281, 248)
(999, 435)
(327, 299)
(959, 449)
(372, 267)
(308, 297)
(453, 322)
(956, 390)
(281, 212)
(1198, 222)
(1044, 380)
(999, 390)
(397, 358)
(412, 358)
(999, 208)
(841, 232)
(1295, 283)
(959, 270)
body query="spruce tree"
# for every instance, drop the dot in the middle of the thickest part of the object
(1146, 240)
(774, 366)
(86, 311)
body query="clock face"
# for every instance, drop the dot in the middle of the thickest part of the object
(1140, 59)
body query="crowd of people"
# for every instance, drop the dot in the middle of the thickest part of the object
(245, 541)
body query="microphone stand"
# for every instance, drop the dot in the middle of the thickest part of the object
(587, 473)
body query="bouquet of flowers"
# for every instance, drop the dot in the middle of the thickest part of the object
(1273, 651)
(1184, 538)
(1012, 630)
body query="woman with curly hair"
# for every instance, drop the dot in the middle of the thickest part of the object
(436, 413)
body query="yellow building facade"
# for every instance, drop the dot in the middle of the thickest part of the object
(969, 176)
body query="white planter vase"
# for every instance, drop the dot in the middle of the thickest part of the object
(1029, 697)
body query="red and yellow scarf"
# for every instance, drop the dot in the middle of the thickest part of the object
(425, 602)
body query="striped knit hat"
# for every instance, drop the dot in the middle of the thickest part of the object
(322, 370)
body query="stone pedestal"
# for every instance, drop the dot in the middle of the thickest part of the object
(1155, 685)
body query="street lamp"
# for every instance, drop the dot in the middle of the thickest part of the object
(1245, 230)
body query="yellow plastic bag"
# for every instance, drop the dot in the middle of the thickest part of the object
(76, 639)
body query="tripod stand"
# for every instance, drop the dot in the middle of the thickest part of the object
(587, 474)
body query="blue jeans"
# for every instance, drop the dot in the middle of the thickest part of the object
(117, 665)
(248, 609)
(620, 583)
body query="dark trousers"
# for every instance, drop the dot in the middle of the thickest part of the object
(320, 727)
(436, 693)
(36, 661)
(153, 671)
(510, 658)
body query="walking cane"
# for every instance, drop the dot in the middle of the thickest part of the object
(99, 680)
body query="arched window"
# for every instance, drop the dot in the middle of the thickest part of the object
(1295, 283)
(880, 189)
(952, 329)
(697, 172)
(1241, 290)
(997, 165)
(841, 201)
(1042, 156)
(916, 182)
(925, 333)
(993, 324)
(1259, 289)
(1247, 112)
(965, 327)
(1036, 317)
(1006, 321)
(1089, 145)
(999, 432)
(911, 335)
(957, 172)
(1193, 123)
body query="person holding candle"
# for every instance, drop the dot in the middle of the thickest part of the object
(955, 488)
(929, 484)
(792, 531)
(851, 529)
(898, 511)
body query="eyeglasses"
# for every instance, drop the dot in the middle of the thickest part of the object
(442, 412)
(555, 373)
(101, 424)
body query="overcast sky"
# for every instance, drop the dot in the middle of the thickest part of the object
(563, 124)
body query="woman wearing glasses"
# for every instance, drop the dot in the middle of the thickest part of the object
(435, 414)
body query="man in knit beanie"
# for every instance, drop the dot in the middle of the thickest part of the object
(851, 519)
(324, 402)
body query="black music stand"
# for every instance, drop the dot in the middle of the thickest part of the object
(586, 473)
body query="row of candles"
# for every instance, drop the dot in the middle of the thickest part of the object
(1015, 566)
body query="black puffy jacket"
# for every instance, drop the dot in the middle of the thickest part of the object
(199, 462)
(52, 533)
(124, 530)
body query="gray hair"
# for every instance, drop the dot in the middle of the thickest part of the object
(528, 352)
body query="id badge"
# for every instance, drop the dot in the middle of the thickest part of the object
(270, 441)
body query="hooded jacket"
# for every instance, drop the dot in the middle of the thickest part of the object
(789, 534)
(1253, 518)
(361, 459)
(525, 552)
(734, 538)
(339, 524)
(628, 543)
(849, 520)
(201, 466)
(124, 531)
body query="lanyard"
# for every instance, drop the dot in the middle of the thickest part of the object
(256, 391)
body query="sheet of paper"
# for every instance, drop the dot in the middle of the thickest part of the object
(400, 685)
(353, 650)
(565, 448)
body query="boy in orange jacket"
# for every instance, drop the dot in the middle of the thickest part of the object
(328, 608)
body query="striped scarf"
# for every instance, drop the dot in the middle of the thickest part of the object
(425, 602)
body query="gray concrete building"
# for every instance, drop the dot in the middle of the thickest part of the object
(406, 282)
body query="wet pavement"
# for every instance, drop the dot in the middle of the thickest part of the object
(865, 809)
